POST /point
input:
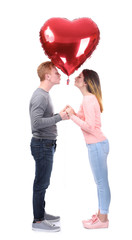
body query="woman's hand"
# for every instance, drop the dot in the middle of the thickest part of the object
(70, 111)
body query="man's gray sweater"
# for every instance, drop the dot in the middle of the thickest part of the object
(43, 120)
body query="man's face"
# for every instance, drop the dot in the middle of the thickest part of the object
(54, 76)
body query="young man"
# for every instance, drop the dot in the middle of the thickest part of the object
(43, 143)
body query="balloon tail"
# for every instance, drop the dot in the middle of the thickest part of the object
(68, 81)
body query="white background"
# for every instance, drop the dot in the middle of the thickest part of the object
(72, 193)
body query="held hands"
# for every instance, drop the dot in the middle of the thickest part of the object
(70, 111)
(67, 112)
(64, 114)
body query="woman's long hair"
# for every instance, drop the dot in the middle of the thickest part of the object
(92, 80)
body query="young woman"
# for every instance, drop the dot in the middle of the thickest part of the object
(88, 119)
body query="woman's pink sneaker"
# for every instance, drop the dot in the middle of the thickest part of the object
(89, 220)
(95, 223)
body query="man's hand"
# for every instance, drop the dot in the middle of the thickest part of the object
(64, 115)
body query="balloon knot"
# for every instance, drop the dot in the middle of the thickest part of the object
(68, 81)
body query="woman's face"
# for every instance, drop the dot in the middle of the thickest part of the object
(79, 81)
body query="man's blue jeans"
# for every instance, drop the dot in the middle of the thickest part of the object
(43, 152)
(97, 153)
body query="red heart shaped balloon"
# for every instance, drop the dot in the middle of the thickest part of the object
(69, 43)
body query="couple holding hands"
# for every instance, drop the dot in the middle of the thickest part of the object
(43, 143)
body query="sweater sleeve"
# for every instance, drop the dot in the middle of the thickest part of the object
(37, 112)
(80, 113)
(88, 124)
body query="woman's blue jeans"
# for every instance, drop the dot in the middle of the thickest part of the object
(98, 153)
(43, 152)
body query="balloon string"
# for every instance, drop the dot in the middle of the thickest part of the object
(68, 81)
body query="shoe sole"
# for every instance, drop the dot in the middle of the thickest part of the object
(43, 230)
(95, 227)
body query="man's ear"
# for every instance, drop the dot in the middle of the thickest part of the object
(47, 76)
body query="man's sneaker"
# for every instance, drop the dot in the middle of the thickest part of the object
(51, 218)
(95, 223)
(45, 226)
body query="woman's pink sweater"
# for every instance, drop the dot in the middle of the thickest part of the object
(89, 119)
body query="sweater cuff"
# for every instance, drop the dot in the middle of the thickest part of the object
(57, 118)
(73, 117)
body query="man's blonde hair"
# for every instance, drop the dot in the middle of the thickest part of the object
(44, 68)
